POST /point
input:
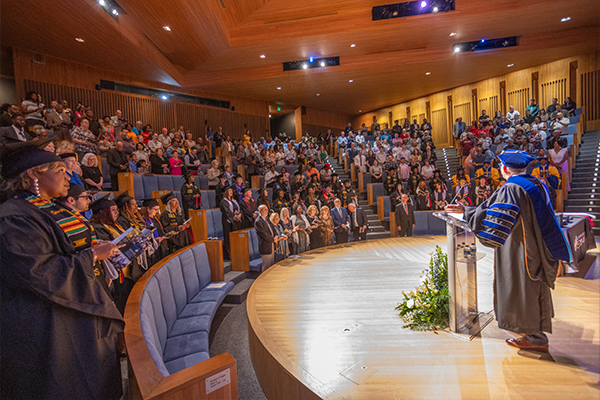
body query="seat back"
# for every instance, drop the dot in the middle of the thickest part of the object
(208, 199)
(378, 190)
(435, 226)
(421, 224)
(387, 207)
(166, 294)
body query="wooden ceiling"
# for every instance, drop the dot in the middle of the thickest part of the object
(215, 45)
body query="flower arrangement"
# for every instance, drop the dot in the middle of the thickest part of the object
(428, 306)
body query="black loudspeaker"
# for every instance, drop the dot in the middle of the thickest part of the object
(303, 109)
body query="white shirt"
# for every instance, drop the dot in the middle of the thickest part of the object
(560, 127)
(20, 134)
(359, 138)
(512, 115)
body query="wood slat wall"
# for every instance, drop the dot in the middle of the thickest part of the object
(550, 90)
(463, 111)
(421, 118)
(489, 104)
(519, 99)
(590, 89)
(439, 124)
(156, 112)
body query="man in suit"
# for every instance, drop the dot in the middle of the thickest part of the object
(266, 237)
(226, 151)
(358, 222)
(248, 206)
(405, 217)
(15, 132)
(341, 222)
(458, 128)
(118, 162)
(231, 217)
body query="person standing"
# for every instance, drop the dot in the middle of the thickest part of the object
(267, 237)
(231, 217)
(118, 162)
(405, 217)
(191, 198)
(248, 208)
(358, 222)
(341, 222)
(519, 223)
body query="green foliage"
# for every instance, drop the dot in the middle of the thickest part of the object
(428, 306)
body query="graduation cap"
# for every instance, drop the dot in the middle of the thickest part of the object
(515, 158)
(166, 198)
(248, 189)
(19, 157)
(101, 203)
(187, 176)
(542, 158)
(67, 155)
(123, 199)
(222, 176)
(150, 203)
(487, 162)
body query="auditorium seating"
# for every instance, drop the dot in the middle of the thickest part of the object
(207, 224)
(144, 185)
(208, 198)
(244, 251)
(167, 323)
(374, 190)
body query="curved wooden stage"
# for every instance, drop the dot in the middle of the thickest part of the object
(324, 327)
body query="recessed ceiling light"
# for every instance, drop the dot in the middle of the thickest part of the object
(318, 94)
(305, 66)
(510, 65)
(565, 19)
(167, 28)
(262, 56)
(427, 73)
(359, 110)
(80, 40)
(278, 87)
(352, 45)
(115, 12)
(102, 2)
(453, 34)
(351, 80)
(269, 115)
(457, 49)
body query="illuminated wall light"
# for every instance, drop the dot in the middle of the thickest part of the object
(278, 108)
(565, 19)
(269, 115)
(167, 28)
(262, 56)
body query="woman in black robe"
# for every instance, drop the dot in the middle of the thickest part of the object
(190, 195)
(150, 210)
(172, 221)
(57, 323)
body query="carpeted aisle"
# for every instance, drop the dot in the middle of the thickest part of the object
(230, 334)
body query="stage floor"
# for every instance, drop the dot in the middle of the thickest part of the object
(326, 322)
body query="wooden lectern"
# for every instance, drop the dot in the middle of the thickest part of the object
(462, 276)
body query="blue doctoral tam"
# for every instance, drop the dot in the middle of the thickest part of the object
(515, 158)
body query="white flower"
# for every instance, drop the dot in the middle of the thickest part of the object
(410, 303)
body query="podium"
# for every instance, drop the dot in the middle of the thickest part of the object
(462, 276)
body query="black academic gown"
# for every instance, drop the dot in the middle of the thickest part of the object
(188, 201)
(163, 249)
(227, 219)
(180, 240)
(57, 323)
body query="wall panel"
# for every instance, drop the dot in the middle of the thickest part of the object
(549, 90)
(439, 124)
(519, 99)
(463, 111)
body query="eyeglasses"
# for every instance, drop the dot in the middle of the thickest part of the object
(84, 196)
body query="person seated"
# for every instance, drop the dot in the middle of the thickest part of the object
(73, 168)
(460, 173)
(314, 183)
(172, 221)
(271, 176)
(437, 177)
(298, 185)
(462, 192)
(548, 172)
(491, 175)
(482, 191)
(312, 198)
(281, 185)
(312, 170)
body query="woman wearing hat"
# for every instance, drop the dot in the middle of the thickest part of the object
(57, 322)
(190, 195)
(172, 221)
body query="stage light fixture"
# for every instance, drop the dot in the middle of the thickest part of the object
(311, 59)
(322, 63)
(565, 19)
(115, 12)
(486, 44)
(313, 62)
(435, 9)
(305, 66)
(102, 3)
(164, 97)
(423, 4)
(411, 8)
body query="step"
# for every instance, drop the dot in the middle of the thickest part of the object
(239, 293)
(235, 276)
(226, 266)
(378, 235)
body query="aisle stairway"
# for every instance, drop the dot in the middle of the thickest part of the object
(377, 228)
(447, 161)
(585, 188)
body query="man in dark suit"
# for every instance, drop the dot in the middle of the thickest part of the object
(231, 217)
(358, 222)
(248, 206)
(341, 222)
(266, 237)
(15, 132)
(118, 162)
(405, 217)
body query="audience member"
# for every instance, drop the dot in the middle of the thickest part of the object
(405, 217)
